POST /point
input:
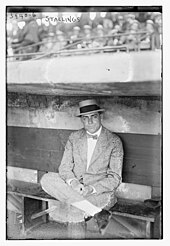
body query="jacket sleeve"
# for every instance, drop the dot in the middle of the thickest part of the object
(114, 172)
(67, 163)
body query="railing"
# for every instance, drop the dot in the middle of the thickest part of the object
(65, 51)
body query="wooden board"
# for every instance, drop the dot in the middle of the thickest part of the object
(42, 149)
(133, 208)
(27, 189)
(124, 206)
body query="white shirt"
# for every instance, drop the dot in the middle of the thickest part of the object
(91, 143)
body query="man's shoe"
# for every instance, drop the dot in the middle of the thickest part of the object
(88, 218)
(102, 218)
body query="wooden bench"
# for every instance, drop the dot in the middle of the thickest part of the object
(141, 174)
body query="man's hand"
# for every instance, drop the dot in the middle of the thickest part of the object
(77, 186)
(87, 190)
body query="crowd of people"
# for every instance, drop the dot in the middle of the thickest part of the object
(111, 29)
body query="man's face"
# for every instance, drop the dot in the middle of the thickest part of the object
(91, 122)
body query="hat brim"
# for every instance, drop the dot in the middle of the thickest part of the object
(90, 112)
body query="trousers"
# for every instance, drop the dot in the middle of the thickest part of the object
(70, 205)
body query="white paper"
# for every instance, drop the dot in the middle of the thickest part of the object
(87, 207)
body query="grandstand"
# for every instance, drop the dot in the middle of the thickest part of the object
(37, 35)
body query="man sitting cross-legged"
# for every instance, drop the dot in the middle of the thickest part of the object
(90, 170)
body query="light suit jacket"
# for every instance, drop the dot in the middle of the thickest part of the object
(105, 169)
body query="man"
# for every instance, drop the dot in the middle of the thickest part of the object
(100, 41)
(60, 41)
(158, 30)
(90, 170)
(87, 35)
(115, 39)
(76, 34)
(30, 34)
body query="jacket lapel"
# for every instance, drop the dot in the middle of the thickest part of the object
(82, 146)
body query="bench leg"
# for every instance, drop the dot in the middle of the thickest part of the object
(44, 207)
(23, 232)
(133, 231)
(148, 229)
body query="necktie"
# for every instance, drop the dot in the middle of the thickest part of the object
(92, 136)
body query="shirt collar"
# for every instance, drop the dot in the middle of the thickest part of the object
(96, 133)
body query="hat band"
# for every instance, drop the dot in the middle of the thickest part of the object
(89, 108)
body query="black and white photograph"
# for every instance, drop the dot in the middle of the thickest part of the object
(84, 122)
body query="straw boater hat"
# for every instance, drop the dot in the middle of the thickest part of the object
(89, 106)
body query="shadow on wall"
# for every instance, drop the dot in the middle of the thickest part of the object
(123, 114)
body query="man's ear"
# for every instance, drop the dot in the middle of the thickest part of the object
(81, 119)
(101, 117)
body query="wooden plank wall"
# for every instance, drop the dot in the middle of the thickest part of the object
(42, 149)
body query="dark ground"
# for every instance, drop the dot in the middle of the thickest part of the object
(56, 231)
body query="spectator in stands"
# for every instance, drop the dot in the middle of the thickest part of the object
(107, 23)
(27, 39)
(98, 20)
(114, 18)
(87, 31)
(100, 41)
(149, 26)
(76, 35)
(120, 21)
(133, 39)
(135, 26)
(84, 19)
(148, 39)
(47, 43)
(129, 19)
(9, 48)
(87, 34)
(116, 39)
(158, 30)
(60, 41)
(30, 35)
(43, 31)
